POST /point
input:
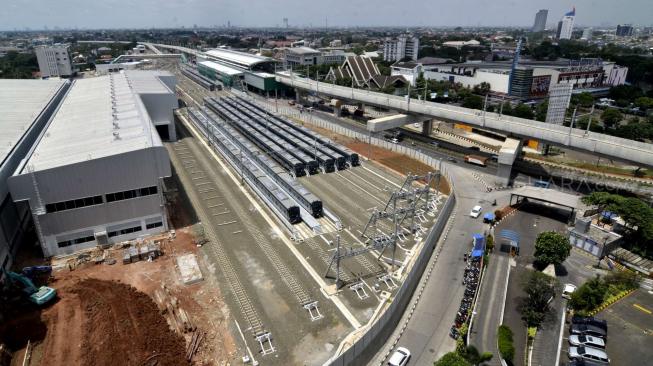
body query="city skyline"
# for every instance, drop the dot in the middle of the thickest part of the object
(39, 14)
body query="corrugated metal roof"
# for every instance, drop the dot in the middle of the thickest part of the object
(100, 117)
(21, 101)
(220, 68)
(239, 58)
(147, 81)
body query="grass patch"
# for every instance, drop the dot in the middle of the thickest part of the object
(506, 346)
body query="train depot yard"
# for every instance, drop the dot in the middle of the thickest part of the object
(297, 244)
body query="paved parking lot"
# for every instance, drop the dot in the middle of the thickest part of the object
(630, 329)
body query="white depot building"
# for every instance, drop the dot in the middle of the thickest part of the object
(95, 175)
(54, 60)
(25, 108)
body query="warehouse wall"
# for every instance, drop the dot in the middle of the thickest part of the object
(132, 170)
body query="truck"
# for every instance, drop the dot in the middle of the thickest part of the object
(476, 160)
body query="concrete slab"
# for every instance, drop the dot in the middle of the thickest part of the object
(189, 269)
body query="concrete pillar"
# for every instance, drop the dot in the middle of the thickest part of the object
(427, 127)
(337, 111)
(297, 96)
(509, 151)
(361, 107)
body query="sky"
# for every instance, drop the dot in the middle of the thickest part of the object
(93, 14)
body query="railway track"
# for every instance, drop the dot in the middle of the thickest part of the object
(185, 165)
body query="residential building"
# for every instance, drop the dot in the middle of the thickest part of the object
(587, 34)
(335, 43)
(540, 20)
(566, 25)
(624, 30)
(95, 176)
(296, 57)
(26, 106)
(54, 60)
(408, 69)
(404, 46)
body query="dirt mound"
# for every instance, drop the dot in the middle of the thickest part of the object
(123, 326)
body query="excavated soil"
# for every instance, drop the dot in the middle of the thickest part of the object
(102, 323)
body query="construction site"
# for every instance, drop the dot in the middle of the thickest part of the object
(284, 245)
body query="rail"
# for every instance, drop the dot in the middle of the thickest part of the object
(624, 149)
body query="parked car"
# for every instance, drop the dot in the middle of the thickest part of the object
(400, 357)
(577, 319)
(568, 290)
(476, 211)
(585, 340)
(590, 354)
(582, 362)
(588, 329)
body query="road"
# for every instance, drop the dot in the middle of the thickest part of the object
(489, 307)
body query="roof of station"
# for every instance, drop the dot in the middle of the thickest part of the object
(21, 102)
(241, 59)
(220, 68)
(99, 117)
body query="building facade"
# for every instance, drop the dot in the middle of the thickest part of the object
(624, 30)
(404, 46)
(95, 177)
(566, 25)
(540, 20)
(54, 60)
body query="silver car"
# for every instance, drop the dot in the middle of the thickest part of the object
(585, 340)
(590, 354)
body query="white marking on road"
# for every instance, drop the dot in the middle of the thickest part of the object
(226, 223)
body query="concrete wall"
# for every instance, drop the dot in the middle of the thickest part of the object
(498, 82)
(132, 170)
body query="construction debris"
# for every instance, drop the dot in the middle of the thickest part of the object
(169, 306)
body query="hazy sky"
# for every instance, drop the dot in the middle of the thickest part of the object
(174, 13)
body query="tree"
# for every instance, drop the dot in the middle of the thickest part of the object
(474, 357)
(473, 101)
(583, 99)
(625, 92)
(589, 295)
(482, 88)
(523, 111)
(611, 117)
(505, 343)
(551, 248)
(644, 103)
(507, 109)
(539, 291)
(541, 111)
(451, 359)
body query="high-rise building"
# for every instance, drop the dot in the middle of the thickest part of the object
(54, 60)
(566, 25)
(587, 34)
(624, 30)
(540, 20)
(405, 46)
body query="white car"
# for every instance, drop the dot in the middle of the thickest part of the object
(569, 289)
(400, 357)
(476, 211)
(585, 340)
